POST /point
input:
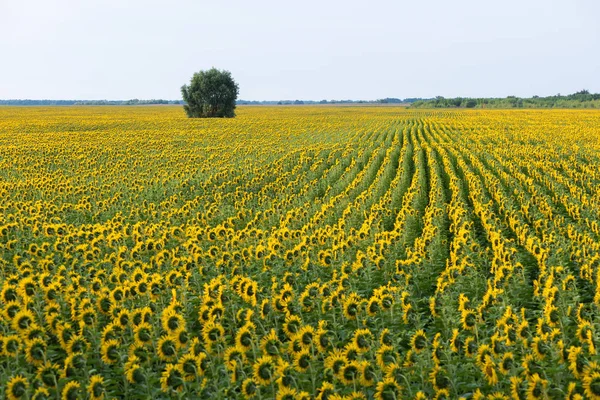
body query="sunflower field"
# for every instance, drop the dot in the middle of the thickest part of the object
(299, 253)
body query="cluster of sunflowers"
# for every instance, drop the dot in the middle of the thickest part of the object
(299, 253)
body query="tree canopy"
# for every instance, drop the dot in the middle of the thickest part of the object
(210, 93)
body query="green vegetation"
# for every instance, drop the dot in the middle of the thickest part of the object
(210, 93)
(581, 99)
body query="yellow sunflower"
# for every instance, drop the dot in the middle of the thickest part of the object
(388, 389)
(264, 371)
(17, 388)
(172, 378)
(96, 387)
(71, 391)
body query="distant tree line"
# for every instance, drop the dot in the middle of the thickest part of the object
(86, 102)
(387, 100)
(581, 99)
(28, 102)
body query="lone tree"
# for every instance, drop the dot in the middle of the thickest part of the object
(210, 94)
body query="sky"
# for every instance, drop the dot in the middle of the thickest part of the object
(275, 50)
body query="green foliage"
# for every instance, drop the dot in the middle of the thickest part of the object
(581, 99)
(210, 93)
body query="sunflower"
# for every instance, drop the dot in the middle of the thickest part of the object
(245, 335)
(270, 343)
(22, 320)
(470, 346)
(583, 329)
(362, 339)
(77, 344)
(302, 360)
(350, 372)
(195, 346)
(41, 393)
(418, 341)
(71, 391)
(388, 389)
(536, 388)
(292, 325)
(489, 370)
(9, 293)
(295, 345)
(385, 337)
(190, 367)
(212, 333)
(17, 388)
(73, 363)
(441, 394)
(576, 361)
(326, 391)
(351, 351)
(167, 347)
(508, 360)
(373, 306)
(233, 357)
(264, 370)
(143, 334)
(140, 315)
(385, 356)
(35, 351)
(497, 396)
(284, 371)
(123, 318)
(367, 374)
(420, 396)
(249, 388)
(182, 338)
(335, 361)
(172, 378)
(265, 309)
(96, 387)
(351, 306)
(286, 393)
(48, 374)
(540, 347)
(11, 309)
(12, 344)
(438, 379)
(88, 317)
(468, 319)
(112, 331)
(482, 352)
(516, 387)
(591, 385)
(172, 322)
(322, 338)
(110, 351)
(133, 370)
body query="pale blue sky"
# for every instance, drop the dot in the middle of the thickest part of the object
(122, 49)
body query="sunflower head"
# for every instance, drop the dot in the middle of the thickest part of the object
(167, 348)
(96, 387)
(388, 389)
(264, 370)
(71, 391)
(302, 360)
(41, 393)
(172, 378)
(419, 341)
(350, 372)
(591, 385)
(249, 388)
(17, 387)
